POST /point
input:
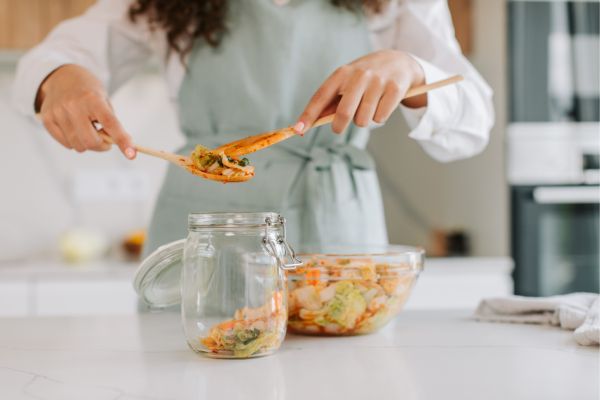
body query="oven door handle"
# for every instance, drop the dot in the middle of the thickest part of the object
(567, 195)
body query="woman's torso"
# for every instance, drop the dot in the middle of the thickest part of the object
(260, 78)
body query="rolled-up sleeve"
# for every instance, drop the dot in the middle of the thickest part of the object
(457, 120)
(102, 40)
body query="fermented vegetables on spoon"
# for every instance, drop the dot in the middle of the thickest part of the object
(220, 164)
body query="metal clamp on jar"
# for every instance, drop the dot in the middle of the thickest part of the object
(279, 247)
(232, 282)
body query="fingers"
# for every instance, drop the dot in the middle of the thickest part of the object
(70, 123)
(86, 134)
(64, 121)
(392, 96)
(55, 130)
(368, 89)
(104, 146)
(351, 97)
(70, 98)
(111, 125)
(72, 129)
(323, 97)
(330, 109)
(354, 94)
(368, 105)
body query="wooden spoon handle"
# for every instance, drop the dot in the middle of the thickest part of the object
(171, 157)
(323, 121)
(435, 85)
(165, 155)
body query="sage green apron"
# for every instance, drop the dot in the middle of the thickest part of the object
(260, 78)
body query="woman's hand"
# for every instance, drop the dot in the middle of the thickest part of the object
(68, 100)
(368, 89)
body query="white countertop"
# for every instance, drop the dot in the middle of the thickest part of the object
(420, 355)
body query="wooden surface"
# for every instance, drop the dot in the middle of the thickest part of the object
(462, 16)
(24, 23)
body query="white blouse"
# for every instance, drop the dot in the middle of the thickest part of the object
(455, 124)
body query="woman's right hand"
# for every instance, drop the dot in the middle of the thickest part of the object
(69, 100)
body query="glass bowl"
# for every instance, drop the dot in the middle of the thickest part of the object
(349, 292)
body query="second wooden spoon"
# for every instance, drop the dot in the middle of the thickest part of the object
(258, 142)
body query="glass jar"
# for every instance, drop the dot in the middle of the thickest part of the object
(233, 292)
(232, 287)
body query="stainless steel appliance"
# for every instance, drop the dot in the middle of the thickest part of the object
(553, 144)
(554, 173)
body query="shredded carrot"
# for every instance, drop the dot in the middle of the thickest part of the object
(312, 277)
(227, 325)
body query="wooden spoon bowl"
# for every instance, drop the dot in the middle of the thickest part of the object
(216, 177)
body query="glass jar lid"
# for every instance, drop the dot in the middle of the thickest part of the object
(233, 220)
(157, 278)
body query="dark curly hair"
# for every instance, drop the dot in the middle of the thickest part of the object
(185, 21)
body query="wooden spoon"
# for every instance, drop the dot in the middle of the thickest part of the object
(184, 162)
(258, 142)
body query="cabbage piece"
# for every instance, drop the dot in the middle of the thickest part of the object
(374, 322)
(265, 341)
(345, 308)
(307, 297)
(245, 336)
(203, 158)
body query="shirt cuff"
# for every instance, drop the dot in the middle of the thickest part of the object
(30, 77)
(441, 110)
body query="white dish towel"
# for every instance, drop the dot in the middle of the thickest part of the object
(577, 311)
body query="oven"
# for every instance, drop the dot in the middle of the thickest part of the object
(555, 238)
(554, 175)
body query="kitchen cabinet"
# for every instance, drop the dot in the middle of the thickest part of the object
(53, 288)
(462, 17)
(460, 283)
(56, 289)
(98, 297)
(24, 23)
(67, 297)
(14, 298)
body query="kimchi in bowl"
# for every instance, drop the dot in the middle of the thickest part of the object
(344, 292)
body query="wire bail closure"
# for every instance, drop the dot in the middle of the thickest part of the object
(274, 247)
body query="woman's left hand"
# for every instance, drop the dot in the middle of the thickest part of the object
(368, 89)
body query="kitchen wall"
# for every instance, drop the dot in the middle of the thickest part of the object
(48, 190)
(50, 193)
(421, 194)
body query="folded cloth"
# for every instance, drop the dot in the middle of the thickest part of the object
(577, 311)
